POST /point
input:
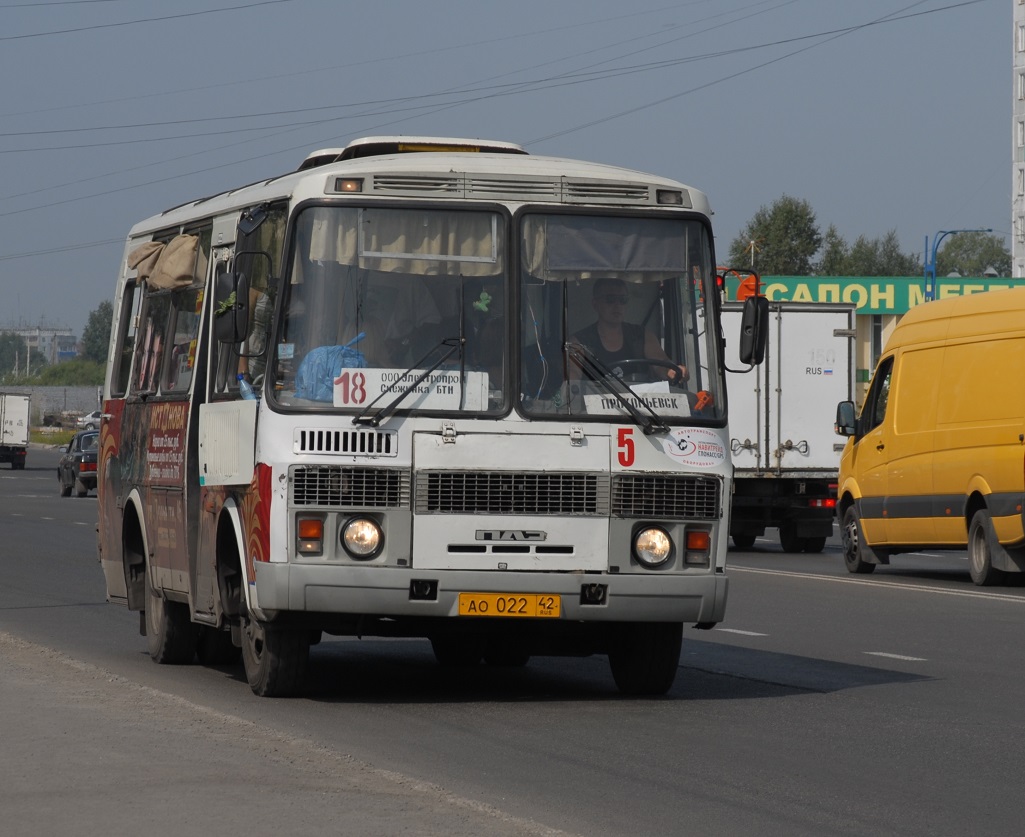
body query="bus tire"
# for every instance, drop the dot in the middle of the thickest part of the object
(980, 551)
(170, 634)
(853, 543)
(275, 659)
(644, 656)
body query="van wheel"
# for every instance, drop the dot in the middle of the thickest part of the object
(789, 540)
(850, 533)
(980, 553)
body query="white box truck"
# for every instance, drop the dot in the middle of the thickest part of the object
(14, 428)
(785, 451)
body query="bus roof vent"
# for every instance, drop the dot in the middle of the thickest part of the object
(604, 191)
(380, 146)
(445, 185)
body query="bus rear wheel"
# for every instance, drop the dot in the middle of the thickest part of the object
(644, 656)
(170, 633)
(275, 658)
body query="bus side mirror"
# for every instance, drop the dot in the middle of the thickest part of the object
(754, 330)
(231, 307)
(846, 423)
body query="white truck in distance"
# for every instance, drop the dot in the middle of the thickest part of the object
(14, 428)
(784, 449)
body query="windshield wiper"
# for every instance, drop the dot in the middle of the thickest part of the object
(600, 373)
(454, 344)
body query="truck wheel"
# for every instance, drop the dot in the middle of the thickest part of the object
(814, 544)
(850, 533)
(275, 659)
(980, 554)
(743, 541)
(788, 538)
(170, 634)
(644, 656)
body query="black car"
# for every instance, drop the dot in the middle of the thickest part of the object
(77, 467)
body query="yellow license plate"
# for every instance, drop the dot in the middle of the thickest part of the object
(509, 604)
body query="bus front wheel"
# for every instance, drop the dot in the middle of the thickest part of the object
(644, 656)
(275, 658)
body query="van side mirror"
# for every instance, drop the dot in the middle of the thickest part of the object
(231, 307)
(754, 330)
(846, 422)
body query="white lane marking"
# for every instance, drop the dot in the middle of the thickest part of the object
(742, 633)
(888, 585)
(897, 656)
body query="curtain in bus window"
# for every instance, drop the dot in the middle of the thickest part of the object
(420, 242)
(584, 247)
(169, 265)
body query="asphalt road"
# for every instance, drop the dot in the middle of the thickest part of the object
(824, 704)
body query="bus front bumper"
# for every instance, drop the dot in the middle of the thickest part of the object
(280, 589)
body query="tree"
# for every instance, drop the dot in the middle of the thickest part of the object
(13, 350)
(866, 257)
(96, 336)
(72, 373)
(972, 254)
(784, 238)
(835, 254)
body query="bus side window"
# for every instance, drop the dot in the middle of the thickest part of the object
(182, 359)
(149, 348)
(125, 339)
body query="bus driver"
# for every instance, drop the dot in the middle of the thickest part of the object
(612, 340)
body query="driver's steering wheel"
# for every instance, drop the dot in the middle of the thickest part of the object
(679, 381)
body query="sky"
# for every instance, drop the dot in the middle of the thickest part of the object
(881, 114)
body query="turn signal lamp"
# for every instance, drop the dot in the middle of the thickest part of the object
(310, 531)
(699, 545)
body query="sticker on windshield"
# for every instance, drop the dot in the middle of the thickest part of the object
(440, 390)
(695, 446)
(651, 396)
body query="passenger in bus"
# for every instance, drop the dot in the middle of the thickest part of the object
(613, 340)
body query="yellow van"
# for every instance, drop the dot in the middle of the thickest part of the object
(936, 459)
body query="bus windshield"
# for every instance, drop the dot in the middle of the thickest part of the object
(613, 322)
(391, 308)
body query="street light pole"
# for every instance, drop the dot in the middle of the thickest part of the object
(929, 277)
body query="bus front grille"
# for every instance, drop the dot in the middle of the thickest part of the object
(334, 486)
(502, 492)
(667, 497)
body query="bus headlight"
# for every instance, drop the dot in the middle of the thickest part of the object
(362, 537)
(653, 546)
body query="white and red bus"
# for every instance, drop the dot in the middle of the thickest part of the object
(428, 388)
